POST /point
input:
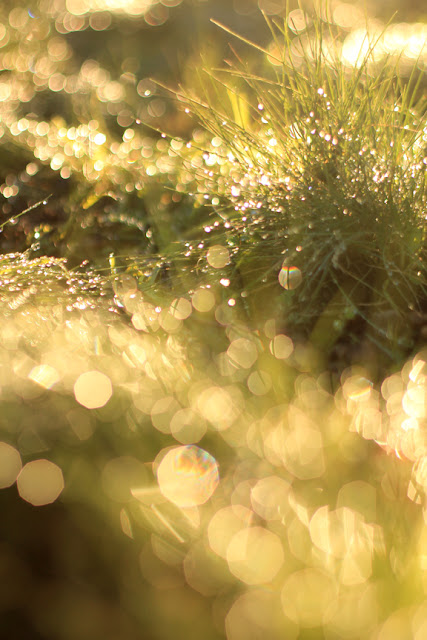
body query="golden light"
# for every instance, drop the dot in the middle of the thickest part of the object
(307, 596)
(44, 375)
(218, 256)
(10, 465)
(255, 555)
(242, 353)
(203, 300)
(188, 476)
(225, 523)
(40, 482)
(93, 389)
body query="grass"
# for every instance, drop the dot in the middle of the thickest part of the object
(321, 168)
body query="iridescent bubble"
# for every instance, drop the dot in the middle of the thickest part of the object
(290, 277)
(188, 476)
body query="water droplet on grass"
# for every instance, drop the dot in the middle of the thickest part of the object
(290, 277)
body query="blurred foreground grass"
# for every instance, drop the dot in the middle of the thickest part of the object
(213, 366)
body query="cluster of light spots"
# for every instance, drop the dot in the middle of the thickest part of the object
(221, 406)
(44, 375)
(187, 426)
(40, 482)
(263, 529)
(290, 277)
(363, 34)
(269, 497)
(344, 535)
(255, 555)
(307, 597)
(299, 448)
(257, 613)
(297, 557)
(407, 41)
(202, 570)
(223, 526)
(188, 476)
(93, 389)
(154, 12)
(243, 353)
(44, 66)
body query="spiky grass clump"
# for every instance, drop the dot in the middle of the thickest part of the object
(319, 171)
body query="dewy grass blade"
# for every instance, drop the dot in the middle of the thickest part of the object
(23, 213)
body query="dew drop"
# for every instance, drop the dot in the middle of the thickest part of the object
(290, 277)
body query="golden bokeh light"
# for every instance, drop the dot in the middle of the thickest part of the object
(299, 449)
(226, 522)
(221, 406)
(218, 256)
(204, 571)
(242, 353)
(44, 375)
(203, 300)
(354, 614)
(308, 596)
(257, 614)
(343, 534)
(181, 308)
(40, 482)
(269, 498)
(187, 426)
(255, 555)
(281, 346)
(360, 496)
(188, 476)
(259, 382)
(10, 465)
(181, 354)
(93, 389)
